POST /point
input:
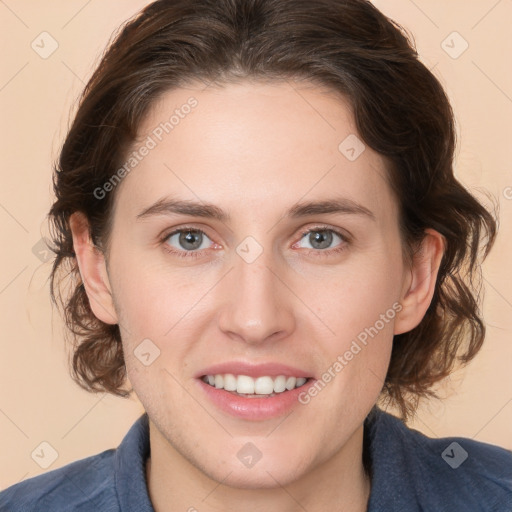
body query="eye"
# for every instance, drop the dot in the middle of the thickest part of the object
(186, 240)
(321, 238)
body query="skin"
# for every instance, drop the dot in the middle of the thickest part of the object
(256, 149)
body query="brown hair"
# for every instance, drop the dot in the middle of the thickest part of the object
(400, 109)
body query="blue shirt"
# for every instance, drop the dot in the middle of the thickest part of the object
(410, 472)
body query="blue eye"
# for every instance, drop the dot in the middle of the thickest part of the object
(188, 241)
(321, 238)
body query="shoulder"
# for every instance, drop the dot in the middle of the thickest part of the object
(110, 481)
(450, 473)
(86, 485)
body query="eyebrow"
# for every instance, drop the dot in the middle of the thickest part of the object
(341, 205)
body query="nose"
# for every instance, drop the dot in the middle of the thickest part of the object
(258, 305)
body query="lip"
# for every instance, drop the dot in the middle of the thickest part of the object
(254, 409)
(253, 370)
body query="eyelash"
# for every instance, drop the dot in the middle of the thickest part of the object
(197, 253)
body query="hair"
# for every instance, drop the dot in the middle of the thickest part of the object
(400, 109)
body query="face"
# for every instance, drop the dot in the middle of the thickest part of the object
(254, 282)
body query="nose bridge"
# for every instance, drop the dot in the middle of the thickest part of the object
(257, 306)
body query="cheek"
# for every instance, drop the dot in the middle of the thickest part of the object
(354, 300)
(360, 306)
(161, 313)
(153, 298)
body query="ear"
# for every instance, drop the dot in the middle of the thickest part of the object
(419, 285)
(93, 270)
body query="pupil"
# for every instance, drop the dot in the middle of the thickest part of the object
(324, 238)
(188, 238)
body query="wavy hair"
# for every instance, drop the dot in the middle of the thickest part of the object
(400, 110)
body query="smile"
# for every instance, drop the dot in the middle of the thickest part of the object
(245, 385)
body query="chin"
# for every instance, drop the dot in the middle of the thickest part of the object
(258, 478)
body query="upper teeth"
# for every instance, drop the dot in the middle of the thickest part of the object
(259, 386)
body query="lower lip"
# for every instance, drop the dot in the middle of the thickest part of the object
(255, 408)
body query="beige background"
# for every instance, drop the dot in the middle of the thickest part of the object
(38, 401)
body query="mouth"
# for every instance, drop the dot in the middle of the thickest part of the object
(254, 392)
(246, 386)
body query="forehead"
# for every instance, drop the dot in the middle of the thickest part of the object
(253, 145)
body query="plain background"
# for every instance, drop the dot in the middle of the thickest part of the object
(39, 403)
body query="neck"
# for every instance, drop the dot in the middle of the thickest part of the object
(339, 483)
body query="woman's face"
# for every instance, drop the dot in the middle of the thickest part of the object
(292, 268)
